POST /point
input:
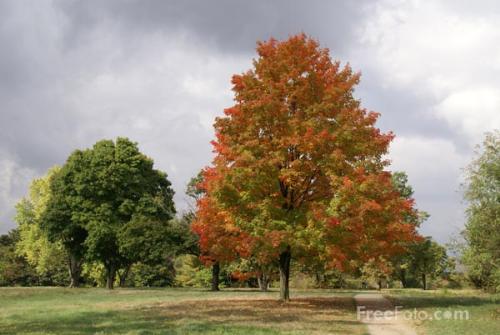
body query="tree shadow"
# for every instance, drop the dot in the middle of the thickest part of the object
(439, 301)
(307, 314)
(239, 316)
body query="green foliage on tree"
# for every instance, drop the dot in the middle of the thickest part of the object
(61, 224)
(190, 272)
(94, 274)
(376, 270)
(400, 182)
(145, 240)
(110, 205)
(14, 269)
(182, 239)
(48, 258)
(156, 249)
(482, 230)
(402, 266)
(157, 275)
(193, 190)
(428, 259)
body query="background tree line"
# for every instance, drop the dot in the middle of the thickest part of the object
(104, 213)
(107, 217)
(29, 257)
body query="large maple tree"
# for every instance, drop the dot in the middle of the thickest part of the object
(299, 167)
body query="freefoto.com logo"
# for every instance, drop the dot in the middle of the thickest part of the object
(410, 314)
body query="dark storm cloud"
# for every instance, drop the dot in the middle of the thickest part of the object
(50, 49)
(233, 26)
(230, 25)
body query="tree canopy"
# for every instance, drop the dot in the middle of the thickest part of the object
(110, 205)
(48, 258)
(482, 230)
(299, 165)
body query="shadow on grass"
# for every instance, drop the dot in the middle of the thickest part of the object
(245, 316)
(126, 323)
(441, 301)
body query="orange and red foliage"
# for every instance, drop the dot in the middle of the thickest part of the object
(243, 276)
(219, 238)
(299, 165)
(373, 219)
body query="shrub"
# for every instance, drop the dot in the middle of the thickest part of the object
(189, 272)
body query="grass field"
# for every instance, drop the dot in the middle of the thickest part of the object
(191, 311)
(483, 311)
(174, 311)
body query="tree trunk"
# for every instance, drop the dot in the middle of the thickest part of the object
(317, 278)
(284, 266)
(263, 281)
(122, 276)
(75, 269)
(215, 276)
(380, 284)
(402, 276)
(424, 281)
(110, 276)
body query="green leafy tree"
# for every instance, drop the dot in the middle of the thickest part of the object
(14, 269)
(193, 191)
(94, 274)
(109, 204)
(376, 270)
(428, 259)
(482, 230)
(400, 182)
(147, 275)
(401, 262)
(155, 245)
(183, 240)
(58, 220)
(48, 258)
(190, 272)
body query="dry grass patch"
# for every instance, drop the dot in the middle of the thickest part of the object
(303, 315)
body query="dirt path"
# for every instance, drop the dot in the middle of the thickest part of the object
(379, 314)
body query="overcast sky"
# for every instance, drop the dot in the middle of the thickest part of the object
(158, 72)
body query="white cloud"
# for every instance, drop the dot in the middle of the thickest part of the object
(435, 50)
(472, 111)
(433, 168)
(445, 54)
(430, 162)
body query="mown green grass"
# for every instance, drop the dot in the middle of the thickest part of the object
(483, 310)
(174, 311)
